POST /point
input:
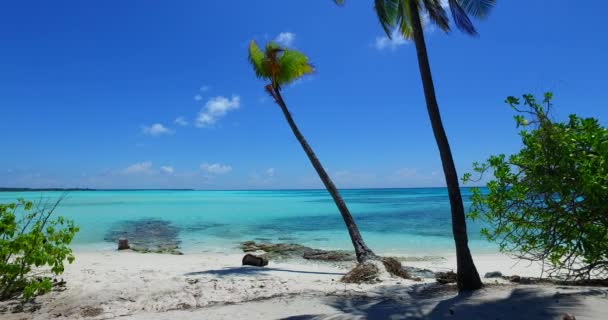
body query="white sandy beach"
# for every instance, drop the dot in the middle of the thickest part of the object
(128, 285)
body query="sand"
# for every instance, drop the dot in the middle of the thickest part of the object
(128, 285)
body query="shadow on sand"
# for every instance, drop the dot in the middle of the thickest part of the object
(444, 302)
(249, 271)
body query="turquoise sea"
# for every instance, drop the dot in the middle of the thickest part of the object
(401, 221)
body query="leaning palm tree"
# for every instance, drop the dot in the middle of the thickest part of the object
(405, 15)
(282, 66)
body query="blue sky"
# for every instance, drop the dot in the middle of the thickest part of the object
(158, 94)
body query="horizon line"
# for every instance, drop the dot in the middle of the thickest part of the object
(8, 189)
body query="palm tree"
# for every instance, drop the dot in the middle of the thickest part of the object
(282, 66)
(406, 16)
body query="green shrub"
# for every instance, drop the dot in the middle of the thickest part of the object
(549, 201)
(32, 247)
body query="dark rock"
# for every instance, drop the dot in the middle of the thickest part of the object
(292, 250)
(123, 244)
(526, 281)
(146, 235)
(251, 260)
(315, 254)
(446, 277)
(420, 273)
(515, 278)
(493, 274)
(568, 316)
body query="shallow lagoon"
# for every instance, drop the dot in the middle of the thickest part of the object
(404, 221)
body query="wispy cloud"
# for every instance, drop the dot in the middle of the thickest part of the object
(263, 179)
(198, 97)
(204, 88)
(384, 42)
(215, 109)
(270, 172)
(141, 167)
(216, 168)
(181, 121)
(286, 38)
(156, 129)
(167, 169)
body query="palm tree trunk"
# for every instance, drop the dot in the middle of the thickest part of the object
(468, 278)
(361, 250)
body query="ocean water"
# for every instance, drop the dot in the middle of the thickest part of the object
(399, 221)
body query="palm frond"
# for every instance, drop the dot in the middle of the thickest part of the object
(294, 65)
(339, 2)
(461, 19)
(384, 18)
(405, 19)
(277, 64)
(477, 8)
(256, 58)
(437, 14)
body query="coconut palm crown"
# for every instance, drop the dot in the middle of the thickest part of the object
(397, 14)
(279, 65)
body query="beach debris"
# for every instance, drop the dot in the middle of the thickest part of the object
(252, 260)
(90, 312)
(515, 278)
(419, 272)
(394, 267)
(446, 277)
(568, 316)
(123, 244)
(292, 250)
(493, 274)
(146, 235)
(366, 272)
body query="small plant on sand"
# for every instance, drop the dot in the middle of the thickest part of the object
(32, 247)
(548, 202)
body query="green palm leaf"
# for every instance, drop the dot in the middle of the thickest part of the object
(437, 14)
(293, 65)
(256, 58)
(279, 65)
(396, 14)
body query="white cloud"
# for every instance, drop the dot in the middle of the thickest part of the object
(384, 42)
(204, 88)
(216, 168)
(181, 121)
(167, 169)
(142, 167)
(286, 38)
(270, 172)
(198, 97)
(156, 129)
(215, 109)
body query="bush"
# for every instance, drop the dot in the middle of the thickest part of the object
(32, 247)
(549, 201)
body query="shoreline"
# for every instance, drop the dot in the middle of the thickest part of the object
(111, 284)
